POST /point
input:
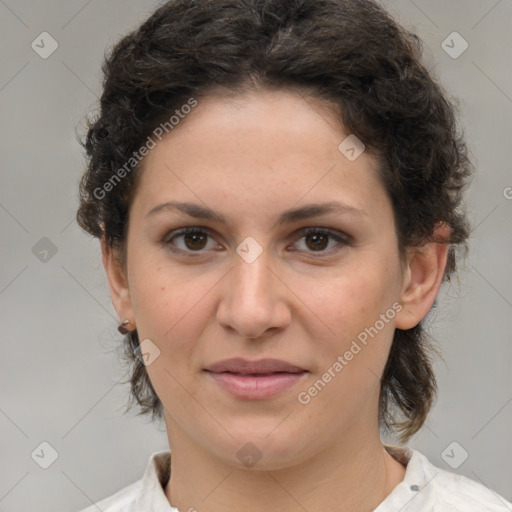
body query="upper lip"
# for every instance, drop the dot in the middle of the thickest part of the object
(245, 367)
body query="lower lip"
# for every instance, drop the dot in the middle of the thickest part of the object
(252, 387)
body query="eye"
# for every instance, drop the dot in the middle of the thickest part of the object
(193, 239)
(318, 240)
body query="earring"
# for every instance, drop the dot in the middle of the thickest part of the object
(122, 327)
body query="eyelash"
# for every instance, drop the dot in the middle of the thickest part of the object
(343, 240)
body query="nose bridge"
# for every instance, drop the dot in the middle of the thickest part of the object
(252, 279)
(251, 303)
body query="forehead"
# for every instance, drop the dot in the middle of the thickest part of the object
(268, 149)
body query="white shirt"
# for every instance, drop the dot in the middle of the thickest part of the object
(425, 488)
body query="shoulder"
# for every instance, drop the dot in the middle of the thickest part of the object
(122, 501)
(455, 492)
(148, 493)
(450, 492)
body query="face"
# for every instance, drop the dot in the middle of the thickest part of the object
(263, 275)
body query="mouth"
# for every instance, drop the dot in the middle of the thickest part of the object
(255, 380)
(260, 367)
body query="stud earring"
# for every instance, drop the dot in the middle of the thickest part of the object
(122, 327)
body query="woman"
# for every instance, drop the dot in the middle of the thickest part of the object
(277, 187)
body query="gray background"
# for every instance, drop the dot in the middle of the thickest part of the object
(60, 377)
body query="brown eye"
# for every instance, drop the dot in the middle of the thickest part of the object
(317, 241)
(195, 241)
(189, 240)
(323, 241)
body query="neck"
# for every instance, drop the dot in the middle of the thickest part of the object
(350, 476)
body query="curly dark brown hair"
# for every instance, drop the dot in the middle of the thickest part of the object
(350, 53)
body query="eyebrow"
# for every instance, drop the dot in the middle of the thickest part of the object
(286, 217)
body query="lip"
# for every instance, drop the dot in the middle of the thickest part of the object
(255, 380)
(246, 367)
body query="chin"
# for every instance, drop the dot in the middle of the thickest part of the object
(260, 448)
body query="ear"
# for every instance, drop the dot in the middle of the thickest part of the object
(118, 283)
(422, 278)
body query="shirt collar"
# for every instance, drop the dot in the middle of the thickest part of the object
(158, 470)
(418, 475)
(155, 478)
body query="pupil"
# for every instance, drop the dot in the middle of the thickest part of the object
(196, 241)
(194, 237)
(316, 237)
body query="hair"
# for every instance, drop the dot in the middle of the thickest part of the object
(350, 53)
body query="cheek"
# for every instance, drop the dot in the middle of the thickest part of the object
(162, 294)
(169, 310)
(348, 323)
(345, 304)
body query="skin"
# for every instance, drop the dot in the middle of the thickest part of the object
(250, 158)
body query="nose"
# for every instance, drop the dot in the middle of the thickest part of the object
(254, 299)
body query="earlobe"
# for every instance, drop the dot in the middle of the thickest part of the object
(422, 278)
(117, 281)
